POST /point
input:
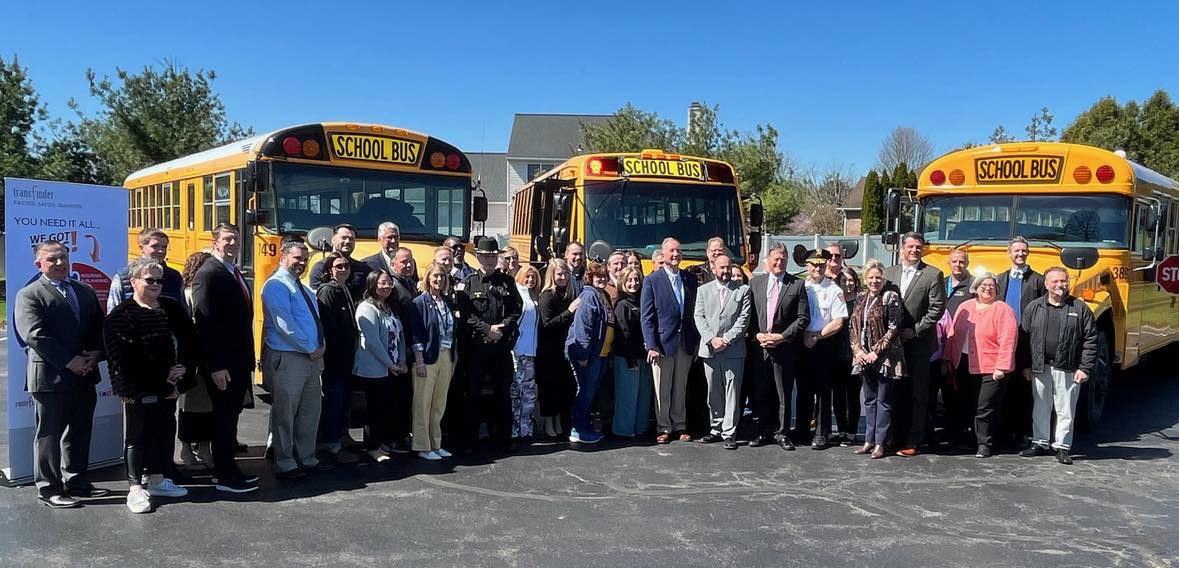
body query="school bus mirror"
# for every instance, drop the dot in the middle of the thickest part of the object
(756, 215)
(1078, 258)
(320, 238)
(889, 238)
(599, 251)
(754, 242)
(479, 209)
(850, 248)
(560, 238)
(258, 217)
(561, 205)
(892, 204)
(258, 176)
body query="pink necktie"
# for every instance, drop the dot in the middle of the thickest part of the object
(772, 304)
(722, 295)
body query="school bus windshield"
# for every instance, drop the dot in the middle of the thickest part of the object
(428, 206)
(639, 215)
(1090, 220)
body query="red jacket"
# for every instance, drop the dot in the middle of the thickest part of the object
(992, 334)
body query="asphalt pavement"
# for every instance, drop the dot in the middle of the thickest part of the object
(684, 504)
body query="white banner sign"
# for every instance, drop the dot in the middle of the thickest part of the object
(91, 220)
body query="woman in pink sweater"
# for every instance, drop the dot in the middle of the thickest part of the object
(979, 355)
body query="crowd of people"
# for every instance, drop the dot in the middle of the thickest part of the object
(497, 353)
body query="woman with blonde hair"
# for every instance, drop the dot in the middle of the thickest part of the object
(633, 384)
(555, 387)
(877, 355)
(434, 356)
(523, 389)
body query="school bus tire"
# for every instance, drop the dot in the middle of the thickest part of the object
(1095, 391)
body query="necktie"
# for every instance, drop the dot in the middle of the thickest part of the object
(772, 303)
(678, 284)
(314, 314)
(722, 295)
(68, 291)
(237, 275)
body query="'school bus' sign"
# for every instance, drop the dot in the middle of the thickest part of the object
(376, 149)
(688, 169)
(1018, 169)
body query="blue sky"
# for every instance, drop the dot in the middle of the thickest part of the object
(833, 78)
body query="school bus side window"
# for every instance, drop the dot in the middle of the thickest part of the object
(1143, 235)
(207, 184)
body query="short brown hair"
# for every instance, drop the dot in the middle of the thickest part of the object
(146, 235)
(595, 268)
(222, 227)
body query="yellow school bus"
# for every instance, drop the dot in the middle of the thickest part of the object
(632, 201)
(297, 179)
(1109, 219)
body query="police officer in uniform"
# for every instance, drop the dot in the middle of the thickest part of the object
(491, 307)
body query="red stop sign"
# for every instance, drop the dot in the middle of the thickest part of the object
(1167, 274)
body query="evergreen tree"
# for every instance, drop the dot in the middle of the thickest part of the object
(872, 207)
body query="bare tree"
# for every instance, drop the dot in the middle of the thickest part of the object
(904, 145)
(822, 194)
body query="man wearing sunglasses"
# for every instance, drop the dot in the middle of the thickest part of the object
(461, 270)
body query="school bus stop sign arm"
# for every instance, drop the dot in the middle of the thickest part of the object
(1167, 274)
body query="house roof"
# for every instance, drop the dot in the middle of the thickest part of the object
(551, 136)
(855, 199)
(491, 169)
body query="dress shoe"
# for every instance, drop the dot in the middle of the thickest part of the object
(786, 444)
(984, 451)
(345, 457)
(88, 492)
(877, 453)
(1063, 457)
(241, 449)
(59, 501)
(819, 443)
(268, 455)
(290, 474)
(759, 441)
(1035, 450)
(710, 439)
(320, 467)
(730, 444)
(907, 452)
(685, 437)
(663, 438)
(866, 448)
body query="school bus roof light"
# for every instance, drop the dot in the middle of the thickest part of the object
(437, 160)
(957, 177)
(310, 149)
(719, 173)
(453, 161)
(1082, 174)
(649, 154)
(1105, 173)
(292, 146)
(937, 177)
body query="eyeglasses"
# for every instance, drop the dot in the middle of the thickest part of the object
(836, 256)
(986, 287)
(152, 281)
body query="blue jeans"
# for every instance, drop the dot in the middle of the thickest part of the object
(632, 397)
(337, 394)
(588, 379)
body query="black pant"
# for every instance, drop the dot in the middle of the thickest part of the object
(990, 407)
(399, 413)
(493, 368)
(147, 442)
(227, 407)
(65, 420)
(913, 403)
(960, 394)
(337, 394)
(845, 398)
(378, 401)
(773, 392)
(814, 382)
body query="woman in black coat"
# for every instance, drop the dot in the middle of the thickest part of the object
(337, 313)
(554, 377)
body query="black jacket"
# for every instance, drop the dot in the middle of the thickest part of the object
(628, 339)
(337, 312)
(224, 317)
(958, 294)
(140, 348)
(1031, 288)
(790, 318)
(1077, 348)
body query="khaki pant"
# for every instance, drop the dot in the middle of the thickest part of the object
(294, 407)
(671, 391)
(429, 402)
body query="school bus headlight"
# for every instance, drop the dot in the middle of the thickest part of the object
(1082, 174)
(437, 160)
(310, 148)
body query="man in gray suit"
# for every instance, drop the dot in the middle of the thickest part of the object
(722, 317)
(60, 321)
(923, 292)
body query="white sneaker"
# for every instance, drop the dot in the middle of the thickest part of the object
(574, 436)
(139, 501)
(165, 489)
(443, 453)
(429, 456)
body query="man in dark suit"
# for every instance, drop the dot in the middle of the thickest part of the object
(1018, 287)
(667, 304)
(923, 293)
(405, 289)
(60, 321)
(344, 242)
(780, 315)
(224, 317)
(389, 237)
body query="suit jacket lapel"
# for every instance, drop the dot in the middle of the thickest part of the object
(60, 303)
